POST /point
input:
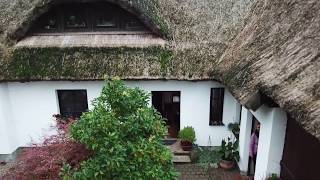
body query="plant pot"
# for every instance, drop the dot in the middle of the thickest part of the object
(186, 145)
(226, 164)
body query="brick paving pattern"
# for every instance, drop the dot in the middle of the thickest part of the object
(196, 172)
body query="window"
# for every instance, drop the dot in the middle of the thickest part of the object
(72, 102)
(49, 22)
(216, 106)
(75, 17)
(87, 17)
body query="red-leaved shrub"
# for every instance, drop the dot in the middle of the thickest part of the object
(45, 160)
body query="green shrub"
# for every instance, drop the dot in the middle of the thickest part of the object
(234, 127)
(125, 135)
(229, 150)
(187, 134)
(208, 156)
(274, 177)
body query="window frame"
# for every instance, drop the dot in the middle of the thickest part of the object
(213, 120)
(66, 9)
(95, 8)
(60, 92)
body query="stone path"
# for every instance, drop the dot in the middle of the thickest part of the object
(179, 155)
(196, 172)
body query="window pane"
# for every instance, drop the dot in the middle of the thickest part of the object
(216, 106)
(105, 20)
(75, 17)
(132, 23)
(72, 102)
(49, 21)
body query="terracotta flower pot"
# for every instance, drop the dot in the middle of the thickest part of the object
(186, 145)
(226, 164)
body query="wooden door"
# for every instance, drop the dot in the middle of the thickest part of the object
(301, 155)
(170, 110)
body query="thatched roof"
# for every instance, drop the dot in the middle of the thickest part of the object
(255, 47)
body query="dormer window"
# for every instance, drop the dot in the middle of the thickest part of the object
(75, 18)
(87, 17)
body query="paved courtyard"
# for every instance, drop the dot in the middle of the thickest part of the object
(196, 172)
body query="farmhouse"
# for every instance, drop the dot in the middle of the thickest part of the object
(205, 64)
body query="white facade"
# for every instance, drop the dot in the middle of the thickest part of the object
(244, 139)
(273, 123)
(26, 109)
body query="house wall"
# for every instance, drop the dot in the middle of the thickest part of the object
(7, 138)
(34, 103)
(244, 139)
(271, 140)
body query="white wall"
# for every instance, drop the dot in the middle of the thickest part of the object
(7, 138)
(195, 107)
(271, 141)
(34, 103)
(244, 139)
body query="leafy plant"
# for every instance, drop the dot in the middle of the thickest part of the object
(44, 161)
(234, 127)
(125, 135)
(208, 156)
(187, 134)
(229, 150)
(274, 177)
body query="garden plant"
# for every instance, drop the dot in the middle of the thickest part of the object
(126, 136)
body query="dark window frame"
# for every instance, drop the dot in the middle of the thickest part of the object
(216, 108)
(76, 113)
(91, 12)
(112, 10)
(83, 12)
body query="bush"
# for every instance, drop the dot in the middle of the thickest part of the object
(229, 150)
(126, 136)
(44, 161)
(234, 127)
(187, 134)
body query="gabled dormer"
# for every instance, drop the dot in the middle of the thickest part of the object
(88, 18)
(91, 24)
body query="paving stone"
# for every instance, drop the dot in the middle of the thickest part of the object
(181, 159)
(190, 171)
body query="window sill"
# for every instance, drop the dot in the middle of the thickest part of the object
(217, 124)
(69, 33)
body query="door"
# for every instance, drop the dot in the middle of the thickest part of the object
(168, 104)
(252, 161)
(301, 154)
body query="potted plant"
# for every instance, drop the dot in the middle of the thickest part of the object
(187, 136)
(273, 177)
(229, 153)
(235, 128)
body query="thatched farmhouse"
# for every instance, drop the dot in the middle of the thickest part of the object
(205, 63)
